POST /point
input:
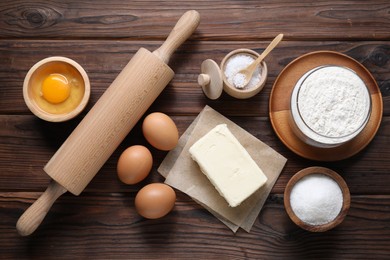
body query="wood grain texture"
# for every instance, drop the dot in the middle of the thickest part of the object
(103, 60)
(88, 231)
(222, 20)
(102, 36)
(28, 144)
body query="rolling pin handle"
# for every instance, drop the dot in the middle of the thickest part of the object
(34, 215)
(179, 34)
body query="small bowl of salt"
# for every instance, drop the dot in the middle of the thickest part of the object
(317, 199)
(232, 64)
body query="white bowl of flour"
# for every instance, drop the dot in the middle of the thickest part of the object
(330, 105)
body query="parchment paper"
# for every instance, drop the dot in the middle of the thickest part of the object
(182, 173)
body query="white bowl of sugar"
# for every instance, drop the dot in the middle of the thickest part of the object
(232, 64)
(317, 199)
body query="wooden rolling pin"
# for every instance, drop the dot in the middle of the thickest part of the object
(110, 120)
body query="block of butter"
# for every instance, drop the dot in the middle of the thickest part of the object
(227, 165)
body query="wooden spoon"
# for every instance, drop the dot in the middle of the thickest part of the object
(242, 78)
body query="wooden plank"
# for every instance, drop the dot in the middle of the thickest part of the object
(105, 225)
(28, 143)
(103, 60)
(139, 19)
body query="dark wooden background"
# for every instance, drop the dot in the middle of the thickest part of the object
(102, 36)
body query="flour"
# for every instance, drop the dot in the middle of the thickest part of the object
(236, 63)
(333, 102)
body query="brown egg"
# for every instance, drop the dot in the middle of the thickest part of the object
(160, 131)
(134, 164)
(155, 200)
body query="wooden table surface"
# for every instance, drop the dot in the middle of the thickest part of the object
(102, 36)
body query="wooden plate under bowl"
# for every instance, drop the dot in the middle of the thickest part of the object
(279, 106)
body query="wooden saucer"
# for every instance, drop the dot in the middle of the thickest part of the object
(279, 106)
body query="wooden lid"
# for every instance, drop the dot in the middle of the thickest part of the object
(211, 79)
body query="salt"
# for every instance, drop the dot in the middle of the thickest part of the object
(316, 199)
(239, 80)
(236, 63)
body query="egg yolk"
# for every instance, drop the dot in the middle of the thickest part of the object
(55, 88)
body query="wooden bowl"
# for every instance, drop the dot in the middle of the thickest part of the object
(34, 79)
(246, 92)
(345, 193)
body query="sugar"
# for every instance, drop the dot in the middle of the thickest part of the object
(316, 199)
(236, 63)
